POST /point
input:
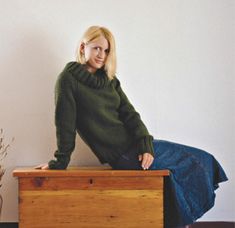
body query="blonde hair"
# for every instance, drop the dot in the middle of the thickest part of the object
(91, 34)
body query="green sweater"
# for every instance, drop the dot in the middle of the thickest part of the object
(100, 112)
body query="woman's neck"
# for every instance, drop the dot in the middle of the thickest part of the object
(91, 69)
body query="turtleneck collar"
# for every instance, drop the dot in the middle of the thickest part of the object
(97, 80)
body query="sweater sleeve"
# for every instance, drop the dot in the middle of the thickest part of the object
(65, 120)
(132, 120)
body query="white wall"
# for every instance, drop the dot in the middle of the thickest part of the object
(180, 54)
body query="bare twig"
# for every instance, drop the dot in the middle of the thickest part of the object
(3, 152)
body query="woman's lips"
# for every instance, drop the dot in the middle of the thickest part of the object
(99, 61)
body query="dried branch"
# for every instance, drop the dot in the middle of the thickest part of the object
(3, 152)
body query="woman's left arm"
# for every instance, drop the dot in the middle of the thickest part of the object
(132, 120)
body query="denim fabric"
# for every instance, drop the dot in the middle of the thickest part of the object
(194, 176)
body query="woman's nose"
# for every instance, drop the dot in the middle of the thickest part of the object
(101, 54)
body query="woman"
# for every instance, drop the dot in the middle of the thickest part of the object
(90, 101)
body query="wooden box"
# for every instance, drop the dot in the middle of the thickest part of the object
(90, 197)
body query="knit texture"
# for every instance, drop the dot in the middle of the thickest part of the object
(98, 109)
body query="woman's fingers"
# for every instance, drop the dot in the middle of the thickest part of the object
(42, 166)
(147, 160)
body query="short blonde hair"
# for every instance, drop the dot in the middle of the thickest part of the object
(91, 34)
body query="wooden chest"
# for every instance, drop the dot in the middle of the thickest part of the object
(90, 197)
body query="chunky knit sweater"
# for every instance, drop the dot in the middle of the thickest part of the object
(98, 109)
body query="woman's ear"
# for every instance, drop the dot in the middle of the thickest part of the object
(82, 47)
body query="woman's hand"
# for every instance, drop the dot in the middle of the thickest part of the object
(147, 160)
(42, 166)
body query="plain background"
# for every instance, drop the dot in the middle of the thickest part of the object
(175, 62)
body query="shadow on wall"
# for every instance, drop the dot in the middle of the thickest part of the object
(83, 155)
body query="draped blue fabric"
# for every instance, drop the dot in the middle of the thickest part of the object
(189, 191)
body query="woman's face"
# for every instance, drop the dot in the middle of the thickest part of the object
(96, 53)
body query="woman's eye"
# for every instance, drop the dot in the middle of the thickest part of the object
(99, 49)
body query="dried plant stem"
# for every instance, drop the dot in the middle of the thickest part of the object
(3, 151)
(3, 154)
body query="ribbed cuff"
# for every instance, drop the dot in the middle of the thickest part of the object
(55, 164)
(145, 145)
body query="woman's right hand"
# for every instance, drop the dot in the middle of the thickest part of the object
(42, 166)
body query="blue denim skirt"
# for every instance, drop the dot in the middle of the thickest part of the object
(189, 191)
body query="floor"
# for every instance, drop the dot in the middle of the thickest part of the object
(195, 225)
